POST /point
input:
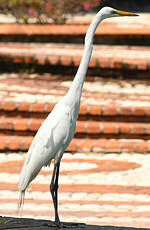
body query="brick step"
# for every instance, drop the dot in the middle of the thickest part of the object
(115, 186)
(124, 59)
(22, 143)
(114, 112)
(110, 32)
(85, 129)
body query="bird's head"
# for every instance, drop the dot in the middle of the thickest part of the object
(109, 12)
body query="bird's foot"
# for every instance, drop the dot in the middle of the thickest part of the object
(57, 225)
(71, 225)
(63, 225)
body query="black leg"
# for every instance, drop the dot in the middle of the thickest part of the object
(54, 191)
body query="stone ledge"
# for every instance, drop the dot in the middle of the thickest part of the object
(26, 223)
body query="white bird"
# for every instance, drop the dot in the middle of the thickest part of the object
(58, 129)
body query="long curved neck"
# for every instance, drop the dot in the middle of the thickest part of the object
(77, 84)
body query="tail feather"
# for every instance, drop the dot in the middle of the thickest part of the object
(21, 203)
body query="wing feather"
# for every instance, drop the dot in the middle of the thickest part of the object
(52, 138)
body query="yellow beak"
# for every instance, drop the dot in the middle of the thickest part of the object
(124, 13)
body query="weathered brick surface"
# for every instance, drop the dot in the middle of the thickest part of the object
(95, 188)
(8, 106)
(103, 57)
(86, 192)
(84, 109)
(16, 143)
(83, 127)
(66, 30)
(97, 125)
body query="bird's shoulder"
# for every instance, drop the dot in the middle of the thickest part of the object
(53, 132)
(61, 112)
(56, 124)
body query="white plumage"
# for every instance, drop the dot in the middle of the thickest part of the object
(51, 140)
(59, 127)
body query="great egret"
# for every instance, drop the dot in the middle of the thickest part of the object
(59, 127)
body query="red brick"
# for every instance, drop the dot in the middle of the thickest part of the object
(113, 146)
(141, 147)
(40, 59)
(9, 106)
(29, 60)
(65, 60)
(83, 110)
(93, 127)
(24, 106)
(21, 124)
(76, 60)
(53, 60)
(110, 111)
(109, 128)
(14, 143)
(127, 146)
(100, 145)
(1, 104)
(138, 128)
(93, 62)
(147, 128)
(95, 110)
(147, 111)
(48, 107)
(38, 108)
(72, 29)
(126, 111)
(6, 124)
(35, 124)
(104, 62)
(148, 147)
(129, 63)
(142, 64)
(124, 128)
(17, 59)
(86, 145)
(116, 63)
(73, 146)
(25, 143)
(81, 127)
(138, 111)
(3, 142)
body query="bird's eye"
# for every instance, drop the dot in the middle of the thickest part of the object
(113, 12)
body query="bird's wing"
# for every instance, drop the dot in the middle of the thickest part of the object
(50, 141)
(56, 131)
